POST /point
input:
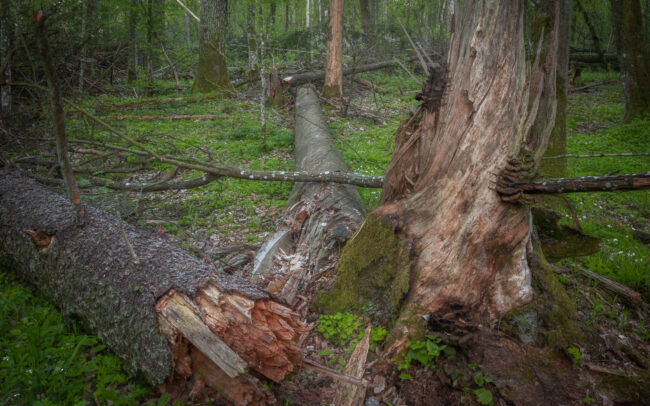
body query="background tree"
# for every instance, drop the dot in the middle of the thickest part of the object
(632, 55)
(557, 142)
(132, 69)
(333, 68)
(5, 61)
(212, 72)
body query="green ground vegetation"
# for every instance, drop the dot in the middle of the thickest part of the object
(230, 212)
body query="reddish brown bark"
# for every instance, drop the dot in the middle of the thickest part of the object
(333, 69)
(470, 248)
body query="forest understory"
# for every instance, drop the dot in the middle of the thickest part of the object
(226, 221)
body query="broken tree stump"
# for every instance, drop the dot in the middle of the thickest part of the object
(167, 314)
(320, 216)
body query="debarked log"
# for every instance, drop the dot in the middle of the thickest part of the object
(320, 217)
(168, 315)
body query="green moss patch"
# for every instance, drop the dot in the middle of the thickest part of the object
(557, 310)
(372, 274)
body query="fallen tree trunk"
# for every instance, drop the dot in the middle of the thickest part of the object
(170, 316)
(320, 216)
(300, 78)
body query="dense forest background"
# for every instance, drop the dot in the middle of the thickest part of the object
(171, 127)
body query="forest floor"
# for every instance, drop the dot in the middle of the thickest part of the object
(231, 217)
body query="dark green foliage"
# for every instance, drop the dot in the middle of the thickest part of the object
(45, 362)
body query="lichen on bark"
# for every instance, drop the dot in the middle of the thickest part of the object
(373, 273)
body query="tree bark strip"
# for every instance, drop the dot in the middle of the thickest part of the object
(144, 310)
(320, 216)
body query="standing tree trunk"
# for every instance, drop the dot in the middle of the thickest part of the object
(132, 70)
(212, 73)
(455, 244)
(366, 18)
(557, 141)
(253, 58)
(632, 55)
(5, 61)
(333, 67)
(307, 13)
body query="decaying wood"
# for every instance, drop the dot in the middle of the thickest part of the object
(353, 395)
(320, 216)
(142, 309)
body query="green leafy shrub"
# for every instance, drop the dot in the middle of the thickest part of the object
(44, 363)
(340, 328)
(425, 352)
(377, 335)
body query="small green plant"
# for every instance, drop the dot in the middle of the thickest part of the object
(45, 363)
(377, 335)
(425, 352)
(340, 328)
(576, 356)
(483, 396)
(588, 400)
(481, 379)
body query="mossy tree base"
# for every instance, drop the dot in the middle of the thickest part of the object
(373, 273)
(331, 92)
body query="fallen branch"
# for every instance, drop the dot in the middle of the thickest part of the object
(180, 3)
(638, 181)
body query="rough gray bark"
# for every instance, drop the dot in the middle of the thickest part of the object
(320, 216)
(128, 302)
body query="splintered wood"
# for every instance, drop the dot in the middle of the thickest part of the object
(235, 332)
